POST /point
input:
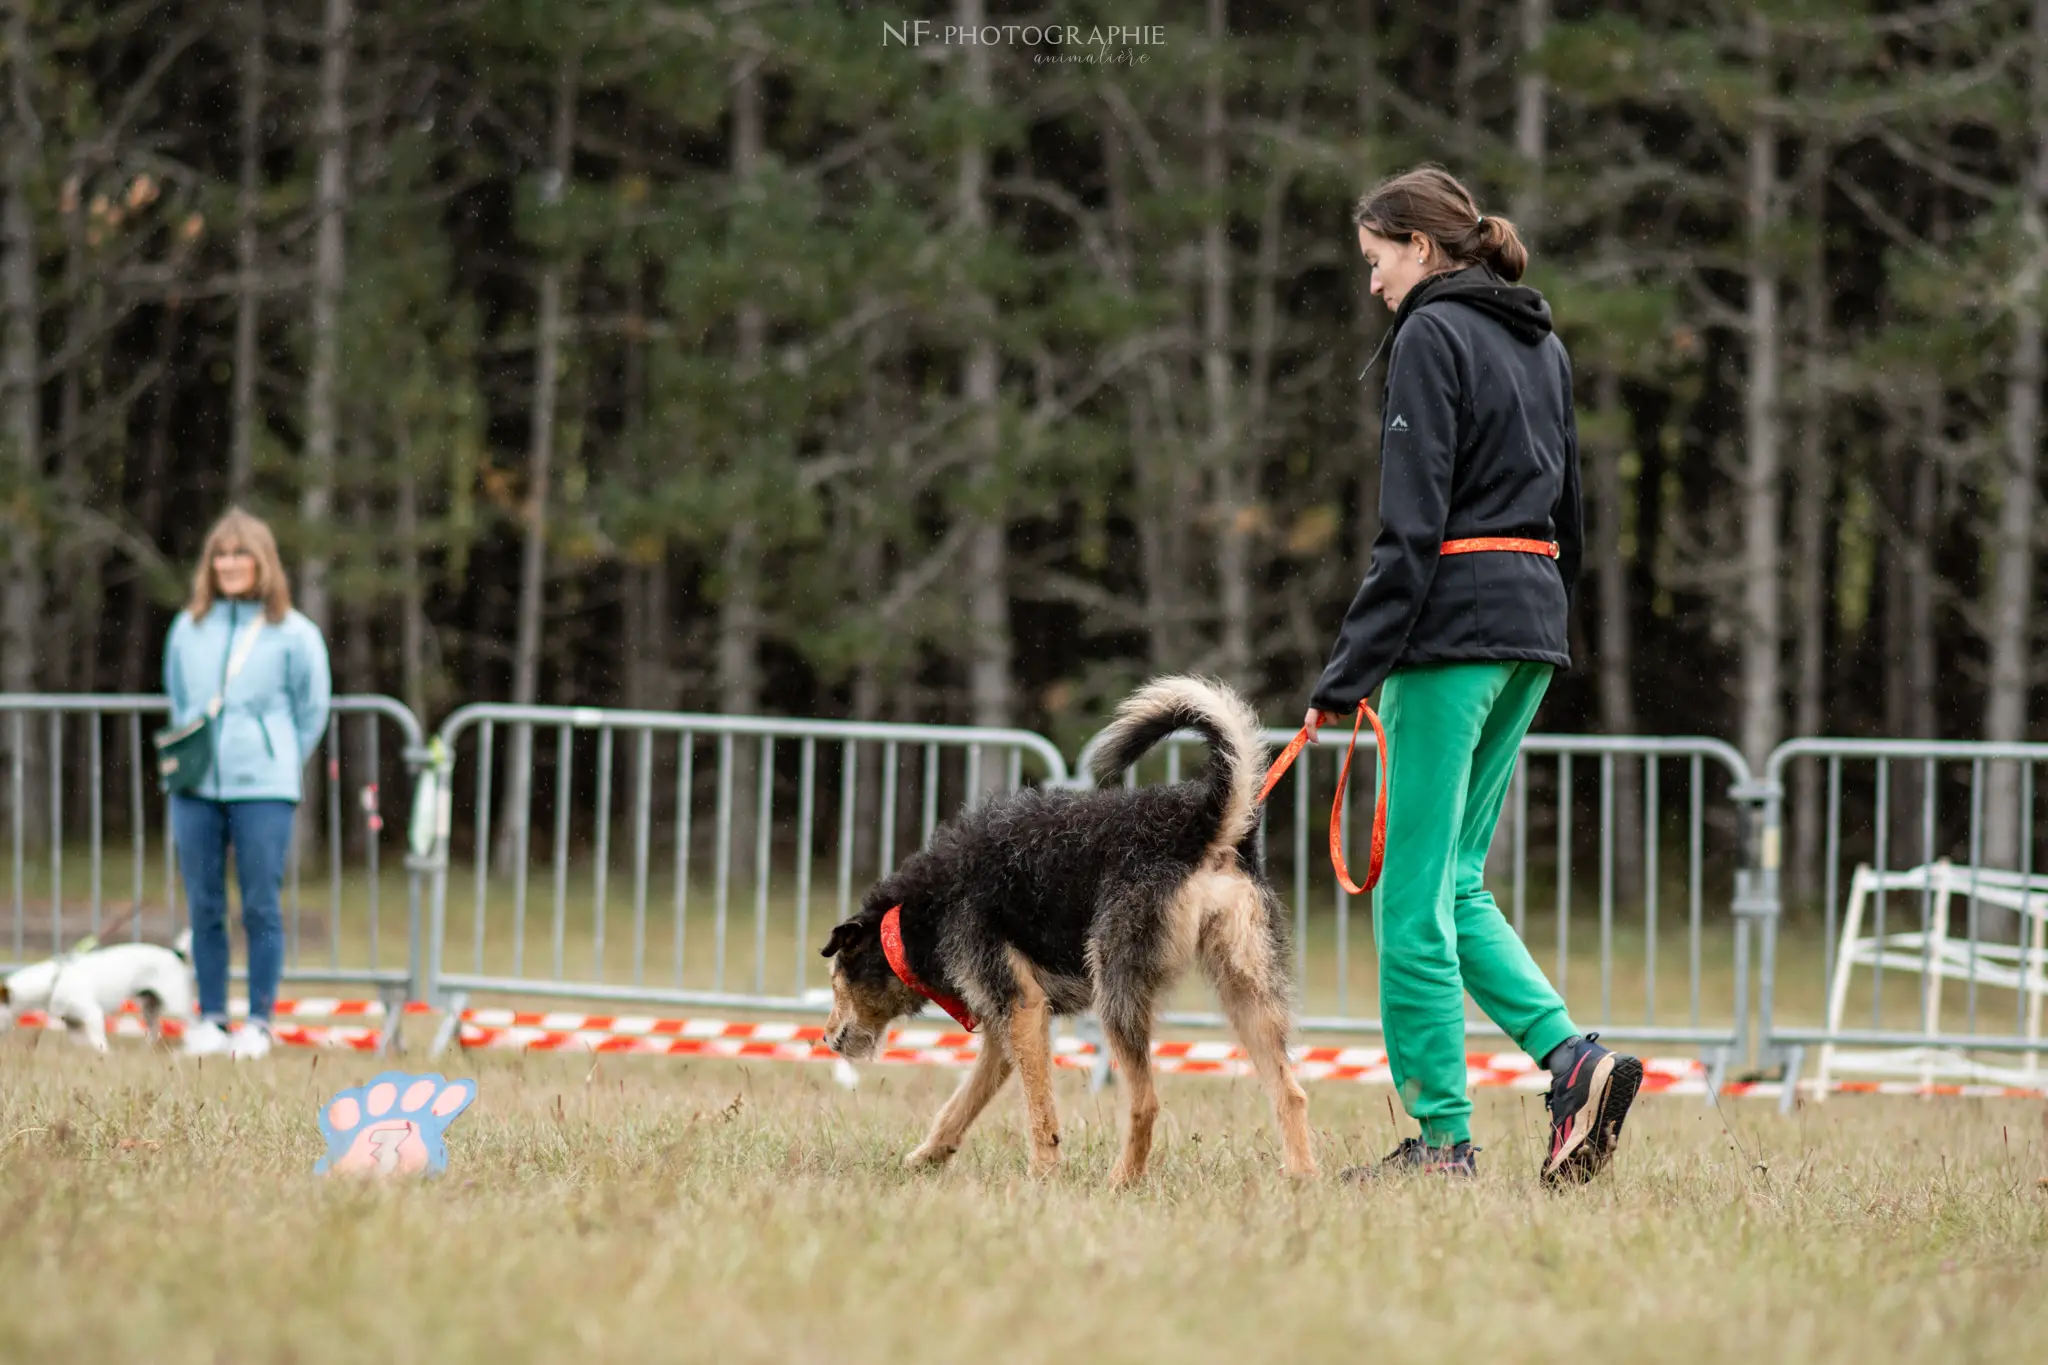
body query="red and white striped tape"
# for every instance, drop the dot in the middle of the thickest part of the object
(784, 1040)
(791, 1041)
(129, 1024)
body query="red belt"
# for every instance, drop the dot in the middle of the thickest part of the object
(1478, 544)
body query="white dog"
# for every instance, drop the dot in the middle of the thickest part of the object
(82, 989)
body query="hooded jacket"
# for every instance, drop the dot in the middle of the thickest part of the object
(1477, 438)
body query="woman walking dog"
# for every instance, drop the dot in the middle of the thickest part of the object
(1462, 618)
(249, 687)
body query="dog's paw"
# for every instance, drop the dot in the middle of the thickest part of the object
(928, 1157)
(393, 1125)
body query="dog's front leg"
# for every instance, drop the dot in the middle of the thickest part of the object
(88, 1022)
(1030, 1038)
(991, 1069)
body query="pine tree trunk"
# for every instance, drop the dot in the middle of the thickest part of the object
(1230, 505)
(540, 458)
(988, 610)
(1372, 318)
(150, 502)
(1161, 508)
(412, 592)
(358, 613)
(868, 555)
(1531, 151)
(1473, 39)
(73, 645)
(645, 639)
(1761, 560)
(22, 631)
(1615, 651)
(1531, 93)
(740, 616)
(330, 208)
(248, 200)
(1922, 527)
(1907, 595)
(1813, 490)
(2012, 606)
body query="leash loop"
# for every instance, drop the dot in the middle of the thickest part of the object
(1377, 858)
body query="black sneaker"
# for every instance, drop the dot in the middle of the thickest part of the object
(1413, 1158)
(1587, 1104)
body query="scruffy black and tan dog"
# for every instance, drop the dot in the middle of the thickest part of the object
(1054, 902)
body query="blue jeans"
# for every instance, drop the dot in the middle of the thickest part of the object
(260, 832)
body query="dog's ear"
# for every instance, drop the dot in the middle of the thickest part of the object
(843, 937)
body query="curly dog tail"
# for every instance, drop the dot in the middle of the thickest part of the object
(1237, 754)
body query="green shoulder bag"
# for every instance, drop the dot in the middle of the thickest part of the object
(184, 753)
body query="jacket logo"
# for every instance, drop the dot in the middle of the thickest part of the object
(1399, 423)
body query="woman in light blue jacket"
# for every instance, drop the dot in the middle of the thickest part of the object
(240, 640)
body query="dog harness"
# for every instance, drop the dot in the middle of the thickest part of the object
(899, 963)
(1469, 546)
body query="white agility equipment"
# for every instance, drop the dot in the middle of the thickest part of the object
(1938, 956)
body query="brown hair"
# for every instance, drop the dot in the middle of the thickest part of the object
(239, 530)
(1431, 201)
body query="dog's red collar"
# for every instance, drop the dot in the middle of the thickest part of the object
(899, 963)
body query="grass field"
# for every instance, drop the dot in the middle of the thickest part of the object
(647, 1209)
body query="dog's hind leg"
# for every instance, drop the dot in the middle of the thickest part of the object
(1128, 1027)
(1241, 952)
(991, 1069)
(152, 1017)
(1030, 1048)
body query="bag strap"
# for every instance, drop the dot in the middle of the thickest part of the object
(238, 657)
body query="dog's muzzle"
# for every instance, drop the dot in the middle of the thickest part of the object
(853, 1042)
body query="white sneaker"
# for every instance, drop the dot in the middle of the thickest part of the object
(206, 1039)
(251, 1041)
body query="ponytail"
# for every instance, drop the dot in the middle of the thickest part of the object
(1431, 201)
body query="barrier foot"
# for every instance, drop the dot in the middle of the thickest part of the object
(1795, 1058)
(391, 1038)
(1717, 1073)
(451, 1023)
(1089, 1031)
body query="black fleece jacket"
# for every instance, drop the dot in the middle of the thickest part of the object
(1477, 438)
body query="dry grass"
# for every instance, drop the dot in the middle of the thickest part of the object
(657, 1210)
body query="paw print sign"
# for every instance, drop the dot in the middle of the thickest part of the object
(391, 1125)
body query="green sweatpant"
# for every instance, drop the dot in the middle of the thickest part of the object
(1453, 733)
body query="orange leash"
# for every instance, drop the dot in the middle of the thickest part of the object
(1379, 814)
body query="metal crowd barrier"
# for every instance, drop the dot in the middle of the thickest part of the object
(1932, 907)
(656, 828)
(1556, 869)
(640, 857)
(79, 784)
